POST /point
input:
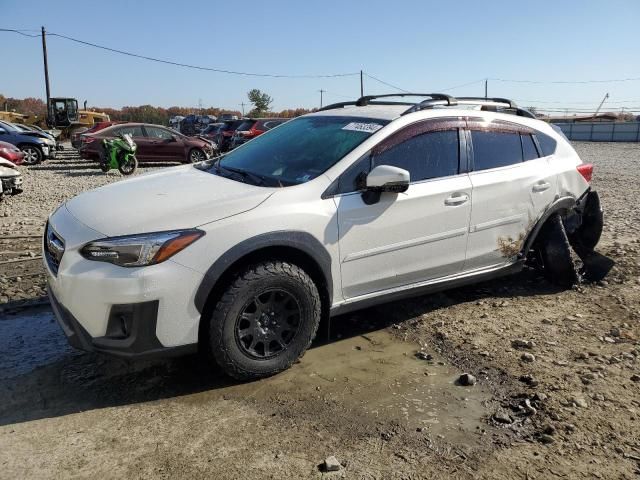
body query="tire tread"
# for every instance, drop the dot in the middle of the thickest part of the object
(252, 274)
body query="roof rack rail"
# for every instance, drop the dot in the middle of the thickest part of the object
(333, 106)
(364, 101)
(497, 104)
(436, 100)
(482, 100)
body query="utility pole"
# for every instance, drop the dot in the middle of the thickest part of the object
(46, 66)
(486, 82)
(242, 105)
(321, 92)
(600, 106)
(361, 85)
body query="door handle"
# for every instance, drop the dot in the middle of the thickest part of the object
(540, 187)
(456, 199)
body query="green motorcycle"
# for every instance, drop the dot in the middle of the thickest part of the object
(120, 153)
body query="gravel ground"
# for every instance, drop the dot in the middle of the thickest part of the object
(556, 394)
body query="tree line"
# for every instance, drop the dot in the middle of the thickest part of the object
(150, 114)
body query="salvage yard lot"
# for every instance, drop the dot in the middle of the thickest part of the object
(558, 391)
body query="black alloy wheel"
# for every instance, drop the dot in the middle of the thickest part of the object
(268, 323)
(196, 155)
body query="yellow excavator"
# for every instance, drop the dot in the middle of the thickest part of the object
(13, 117)
(63, 115)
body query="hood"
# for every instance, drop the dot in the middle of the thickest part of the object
(38, 135)
(175, 198)
(8, 169)
(7, 163)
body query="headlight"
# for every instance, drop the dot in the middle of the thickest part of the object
(140, 250)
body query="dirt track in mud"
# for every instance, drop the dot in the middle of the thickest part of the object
(558, 392)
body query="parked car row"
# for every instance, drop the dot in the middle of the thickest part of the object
(155, 143)
(233, 133)
(10, 177)
(37, 146)
(76, 139)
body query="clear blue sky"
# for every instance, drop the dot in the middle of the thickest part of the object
(417, 45)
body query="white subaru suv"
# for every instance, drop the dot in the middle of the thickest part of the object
(359, 203)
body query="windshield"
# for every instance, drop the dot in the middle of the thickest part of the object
(246, 125)
(211, 128)
(9, 127)
(301, 149)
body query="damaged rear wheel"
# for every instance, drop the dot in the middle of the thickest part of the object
(554, 253)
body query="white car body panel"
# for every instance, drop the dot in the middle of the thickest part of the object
(179, 197)
(88, 289)
(404, 240)
(392, 243)
(507, 201)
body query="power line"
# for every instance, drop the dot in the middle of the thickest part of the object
(385, 83)
(20, 32)
(570, 82)
(463, 85)
(185, 65)
(334, 75)
(591, 102)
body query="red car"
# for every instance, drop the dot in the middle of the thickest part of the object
(11, 152)
(251, 128)
(76, 138)
(155, 143)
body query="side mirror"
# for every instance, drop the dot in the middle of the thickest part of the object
(385, 178)
(172, 139)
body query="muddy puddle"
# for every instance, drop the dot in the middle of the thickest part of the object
(28, 341)
(378, 376)
(370, 376)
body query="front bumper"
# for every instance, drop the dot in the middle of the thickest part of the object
(49, 151)
(131, 332)
(129, 312)
(12, 185)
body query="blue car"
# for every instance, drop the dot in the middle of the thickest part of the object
(36, 147)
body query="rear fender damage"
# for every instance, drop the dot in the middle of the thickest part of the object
(582, 222)
(584, 229)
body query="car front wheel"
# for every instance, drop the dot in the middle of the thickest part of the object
(32, 154)
(265, 320)
(196, 155)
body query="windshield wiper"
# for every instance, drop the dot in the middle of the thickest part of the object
(255, 178)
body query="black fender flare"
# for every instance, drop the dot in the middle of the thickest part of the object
(301, 241)
(561, 205)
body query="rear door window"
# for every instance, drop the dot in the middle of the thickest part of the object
(134, 131)
(160, 133)
(529, 151)
(425, 156)
(495, 149)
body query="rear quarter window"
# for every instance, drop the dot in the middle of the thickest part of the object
(529, 150)
(547, 144)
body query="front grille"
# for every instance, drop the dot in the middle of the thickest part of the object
(53, 248)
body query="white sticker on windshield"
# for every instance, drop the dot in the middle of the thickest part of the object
(362, 127)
